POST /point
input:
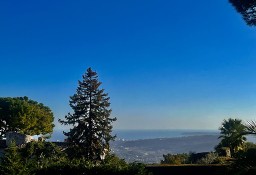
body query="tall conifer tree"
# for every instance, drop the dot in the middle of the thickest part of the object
(91, 121)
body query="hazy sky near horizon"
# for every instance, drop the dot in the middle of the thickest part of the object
(166, 64)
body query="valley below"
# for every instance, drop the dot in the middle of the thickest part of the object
(151, 150)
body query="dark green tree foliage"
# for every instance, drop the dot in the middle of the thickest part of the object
(81, 167)
(25, 116)
(232, 135)
(247, 8)
(91, 132)
(11, 162)
(41, 150)
(41, 155)
(245, 163)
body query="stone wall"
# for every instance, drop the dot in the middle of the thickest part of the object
(19, 139)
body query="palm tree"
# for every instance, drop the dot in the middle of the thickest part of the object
(232, 133)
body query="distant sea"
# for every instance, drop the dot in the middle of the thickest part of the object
(146, 134)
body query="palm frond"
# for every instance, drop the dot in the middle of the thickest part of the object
(251, 127)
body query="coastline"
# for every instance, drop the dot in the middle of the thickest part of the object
(127, 134)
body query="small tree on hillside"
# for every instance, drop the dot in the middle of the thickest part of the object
(91, 132)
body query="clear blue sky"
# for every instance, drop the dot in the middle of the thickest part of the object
(166, 64)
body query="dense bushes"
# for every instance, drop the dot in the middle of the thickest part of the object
(193, 158)
(176, 159)
(12, 163)
(245, 162)
(111, 166)
(46, 158)
(84, 168)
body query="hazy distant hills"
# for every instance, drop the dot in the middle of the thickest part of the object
(152, 150)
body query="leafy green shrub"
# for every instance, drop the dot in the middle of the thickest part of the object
(112, 165)
(245, 163)
(38, 149)
(66, 169)
(249, 145)
(210, 158)
(41, 154)
(40, 158)
(222, 160)
(12, 163)
(175, 159)
(194, 158)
